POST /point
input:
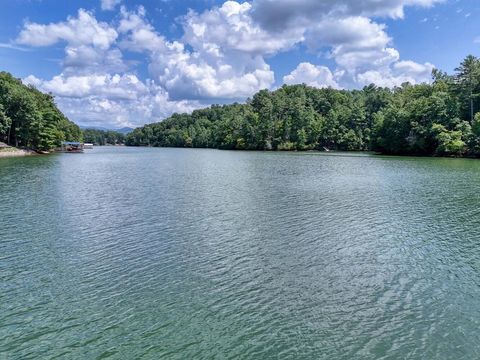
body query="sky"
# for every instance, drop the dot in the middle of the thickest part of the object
(117, 63)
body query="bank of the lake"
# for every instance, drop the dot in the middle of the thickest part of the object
(187, 253)
(7, 152)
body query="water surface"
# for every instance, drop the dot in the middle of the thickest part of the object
(126, 253)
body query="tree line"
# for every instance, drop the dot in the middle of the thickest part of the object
(103, 137)
(441, 118)
(30, 118)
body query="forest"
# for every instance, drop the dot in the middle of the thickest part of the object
(103, 137)
(30, 118)
(441, 118)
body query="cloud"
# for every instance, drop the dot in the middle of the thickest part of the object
(206, 32)
(139, 34)
(280, 14)
(412, 68)
(90, 43)
(226, 34)
(401, 72)
(82, 30)
(350, 33)
(189, 75)
(95, 87)
(86, 60)
(363, 53)
(13, 47)
(355, 42)
(113, 100)
(309, 74)
(109, 4)
(212, 67)
(360, 47)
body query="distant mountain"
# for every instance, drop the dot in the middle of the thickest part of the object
(124, 130)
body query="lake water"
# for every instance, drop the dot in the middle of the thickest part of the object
(141, 253)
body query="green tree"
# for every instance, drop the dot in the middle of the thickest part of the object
(467, 78)
(5, 123)
(449, 142)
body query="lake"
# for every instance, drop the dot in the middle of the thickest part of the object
(144, 253)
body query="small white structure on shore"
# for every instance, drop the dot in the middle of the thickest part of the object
(88, 146)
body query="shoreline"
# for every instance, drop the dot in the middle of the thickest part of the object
(11, 152)
(313, 151)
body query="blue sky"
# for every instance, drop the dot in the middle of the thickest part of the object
(118, 63)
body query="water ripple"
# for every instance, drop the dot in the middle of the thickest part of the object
(175, 253)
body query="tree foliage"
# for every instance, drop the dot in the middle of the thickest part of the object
(424, 119)
(103, 137)
(30, 118)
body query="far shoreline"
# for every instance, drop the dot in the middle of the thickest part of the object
(13, 152)
(314, 151)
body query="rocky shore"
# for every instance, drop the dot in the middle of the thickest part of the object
(9, 151)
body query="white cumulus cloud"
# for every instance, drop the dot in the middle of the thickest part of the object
(231, 28)
(309, 74)
(81, 30)
(90, 44)
(213, 67)
(109, 4)
(401, 72)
